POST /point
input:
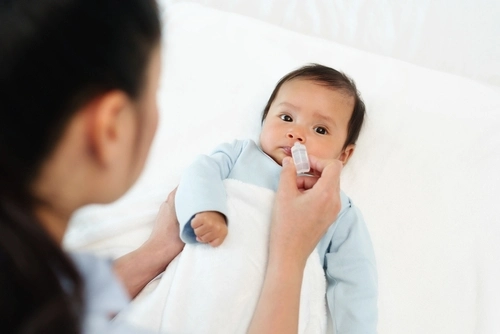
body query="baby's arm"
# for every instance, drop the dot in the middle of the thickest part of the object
(201, 197)
(352, 276)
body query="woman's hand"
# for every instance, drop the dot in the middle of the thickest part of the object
(304, 209)
(138, 267)
(165, 235)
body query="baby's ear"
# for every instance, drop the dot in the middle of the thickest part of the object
(347, 153)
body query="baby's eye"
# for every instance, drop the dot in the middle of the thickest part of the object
(286, 118)
(321, 130)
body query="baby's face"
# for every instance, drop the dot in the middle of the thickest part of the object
(314, 115)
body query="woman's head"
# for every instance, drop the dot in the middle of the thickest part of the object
(67, 67)
(319, 103)
(57, 56)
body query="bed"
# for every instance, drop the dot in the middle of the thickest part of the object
(425, 172)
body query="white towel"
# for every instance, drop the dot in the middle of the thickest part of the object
(215, 290)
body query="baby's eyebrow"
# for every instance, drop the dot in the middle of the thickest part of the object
(288, 104)
(325, 118)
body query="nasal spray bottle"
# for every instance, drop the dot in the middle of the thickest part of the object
(300, 158)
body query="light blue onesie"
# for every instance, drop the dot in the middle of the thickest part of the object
(346, 250)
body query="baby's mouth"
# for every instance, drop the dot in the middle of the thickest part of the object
(287, 150)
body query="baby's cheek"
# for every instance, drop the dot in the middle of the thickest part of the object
(264, 144)
(325, 152)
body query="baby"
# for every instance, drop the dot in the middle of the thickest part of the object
(320, 108)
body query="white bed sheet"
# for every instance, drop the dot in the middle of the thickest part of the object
(425, 173)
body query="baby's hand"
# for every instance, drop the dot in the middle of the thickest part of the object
(210, 227)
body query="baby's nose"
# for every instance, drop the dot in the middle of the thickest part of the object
(296, 135)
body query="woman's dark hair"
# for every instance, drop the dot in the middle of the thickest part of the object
(334, 79)
(55, 56)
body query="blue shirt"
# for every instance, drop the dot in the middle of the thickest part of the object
(346, 250)
(104, 296)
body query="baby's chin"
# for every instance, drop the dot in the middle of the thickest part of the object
(277, 155)
(276, 158)
(280, 159)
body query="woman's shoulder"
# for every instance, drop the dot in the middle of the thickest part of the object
(102, 289)
(104, 295)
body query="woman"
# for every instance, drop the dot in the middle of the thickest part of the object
(78, 81)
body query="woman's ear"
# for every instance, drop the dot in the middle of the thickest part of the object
(108, 125)
(346, 153)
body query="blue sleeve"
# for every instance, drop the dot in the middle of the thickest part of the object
(352, 276)
(201, 188)
(104, 296)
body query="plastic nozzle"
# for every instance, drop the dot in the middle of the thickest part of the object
(300, 159)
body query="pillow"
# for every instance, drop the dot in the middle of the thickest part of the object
(461, 38)
(424, 173)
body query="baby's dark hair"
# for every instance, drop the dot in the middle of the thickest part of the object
(334, 79)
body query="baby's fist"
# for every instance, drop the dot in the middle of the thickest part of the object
(210, 227)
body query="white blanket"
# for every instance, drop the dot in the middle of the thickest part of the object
(215, 290)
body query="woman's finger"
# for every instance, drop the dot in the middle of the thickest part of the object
(330, 175)
(288, 177)
(306, 181)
